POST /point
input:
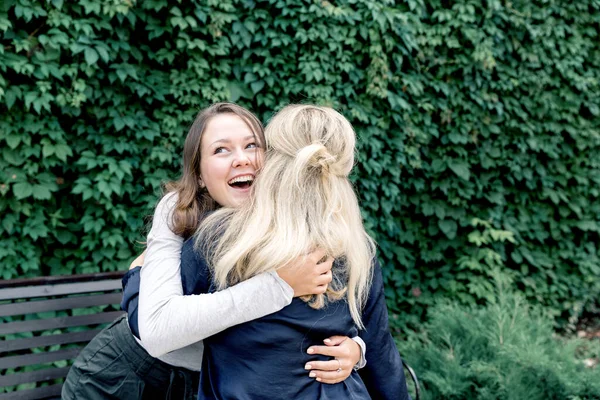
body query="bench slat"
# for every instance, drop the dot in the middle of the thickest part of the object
(39, 358)
(47, 340)
(60, 289)
(34, 376)
(27, 289)
(60, 322)
(55, 279)
(46, 392)
(32, 307)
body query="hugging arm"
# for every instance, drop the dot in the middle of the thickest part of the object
(168, 320)
(383, 374)
(351, 353)
(130, 299)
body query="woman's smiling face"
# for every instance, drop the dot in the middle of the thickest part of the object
(230, 157)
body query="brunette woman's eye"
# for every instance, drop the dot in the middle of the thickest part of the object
(220, 150)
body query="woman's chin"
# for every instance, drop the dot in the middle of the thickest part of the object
(237, 196)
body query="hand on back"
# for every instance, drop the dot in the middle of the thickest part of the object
(308, 274)
(345, 353)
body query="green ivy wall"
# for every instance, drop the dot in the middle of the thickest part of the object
(479, 127)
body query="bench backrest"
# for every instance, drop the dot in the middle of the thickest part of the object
(46, 323)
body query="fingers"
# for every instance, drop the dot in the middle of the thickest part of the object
(332, 377)
(334, 351)
(317, 255)
(324, 279)
(335, 340)
(326, 366)
(320, 289)
(325, 276)
(327, 371)
(336, 370)
(325, 266)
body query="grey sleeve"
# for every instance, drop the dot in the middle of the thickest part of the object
(168, 320)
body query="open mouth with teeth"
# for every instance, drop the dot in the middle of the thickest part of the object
(241, 182)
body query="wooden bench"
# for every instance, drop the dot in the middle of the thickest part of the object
(46, 322)
(36, 338)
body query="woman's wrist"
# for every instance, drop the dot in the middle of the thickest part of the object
(287, 290)
(363, 350)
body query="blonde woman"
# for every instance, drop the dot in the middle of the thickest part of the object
(301, 200)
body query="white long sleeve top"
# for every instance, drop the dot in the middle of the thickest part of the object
(168, 320)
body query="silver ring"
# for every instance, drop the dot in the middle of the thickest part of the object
(340, 366)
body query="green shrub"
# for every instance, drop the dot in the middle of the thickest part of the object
(505, 350)
(465, 110)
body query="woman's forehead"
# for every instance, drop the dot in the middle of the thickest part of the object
(226, 128)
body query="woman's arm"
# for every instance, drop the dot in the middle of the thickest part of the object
(383, 374)
(351, 353)
(131, 291)
(130, 299)
(168, 320)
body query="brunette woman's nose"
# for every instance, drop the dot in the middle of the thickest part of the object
(241, 160)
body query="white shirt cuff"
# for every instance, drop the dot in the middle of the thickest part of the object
(363, 349)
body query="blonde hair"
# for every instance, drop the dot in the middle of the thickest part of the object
(301, 200)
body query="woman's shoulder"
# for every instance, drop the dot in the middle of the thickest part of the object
(167, 202)
(163, 212)
(162, 221)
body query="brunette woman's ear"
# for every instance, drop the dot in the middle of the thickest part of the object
(201, 184)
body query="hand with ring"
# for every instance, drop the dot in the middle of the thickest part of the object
(345, 353)
(340, 367)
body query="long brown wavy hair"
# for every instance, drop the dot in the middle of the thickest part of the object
(193, 200)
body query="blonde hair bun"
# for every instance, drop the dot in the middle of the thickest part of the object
(318, 157)
(316, 137)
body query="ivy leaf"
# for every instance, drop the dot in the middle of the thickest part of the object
(8, 222)
(438, 165)
(13, 141)
(47, 150)
(12, 157)
(449, 227)
(461, 169)
(62, 151)
(64, 236)
(7, 4)
(91, 56)
(41, 192)
(588, 226)
(237, 91)
(10, 97)
(103, 53)
(257, 86)
(22, 190)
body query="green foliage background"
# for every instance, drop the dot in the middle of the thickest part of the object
(478, 123)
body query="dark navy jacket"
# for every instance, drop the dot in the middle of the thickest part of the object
(265, 358)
